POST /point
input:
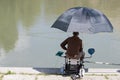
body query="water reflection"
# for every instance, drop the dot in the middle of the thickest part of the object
(10, 13)
(28, 10)
(57, 7)
(8, 29)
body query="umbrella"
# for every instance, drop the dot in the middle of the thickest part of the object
(84, 20)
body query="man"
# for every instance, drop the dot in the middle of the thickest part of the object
(74, 48)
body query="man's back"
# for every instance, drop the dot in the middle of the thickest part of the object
(74, 46)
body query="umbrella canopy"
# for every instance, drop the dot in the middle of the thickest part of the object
(84, 20)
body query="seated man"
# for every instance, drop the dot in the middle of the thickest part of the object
(74, 48)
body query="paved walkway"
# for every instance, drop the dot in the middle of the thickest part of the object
(16, 73)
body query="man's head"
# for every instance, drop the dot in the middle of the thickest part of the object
(75, 33)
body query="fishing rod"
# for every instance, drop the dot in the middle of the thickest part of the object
(91, 52)
(106, 63)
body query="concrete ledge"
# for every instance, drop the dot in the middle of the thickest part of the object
(29, 73)
(102, 70)
(31, 70)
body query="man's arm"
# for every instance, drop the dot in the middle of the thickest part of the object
(63, 44)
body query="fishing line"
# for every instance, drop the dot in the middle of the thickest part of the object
(106, 63)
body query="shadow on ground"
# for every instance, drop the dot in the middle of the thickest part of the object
(48, 70)
(51, 70)
(118, 71)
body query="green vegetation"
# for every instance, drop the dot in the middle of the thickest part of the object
(106, 77)
(9, 72)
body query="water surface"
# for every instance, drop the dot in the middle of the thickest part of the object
(27, 39)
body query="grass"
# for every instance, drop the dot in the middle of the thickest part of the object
(1, 76)
(9, 72)
(106, 76)
(101, 74)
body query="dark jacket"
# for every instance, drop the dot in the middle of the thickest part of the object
(72, 45)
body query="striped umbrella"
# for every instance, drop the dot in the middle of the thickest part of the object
(84, 20)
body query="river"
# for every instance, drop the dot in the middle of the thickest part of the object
(27, 39)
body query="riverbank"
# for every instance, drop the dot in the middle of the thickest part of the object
(28, 73)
